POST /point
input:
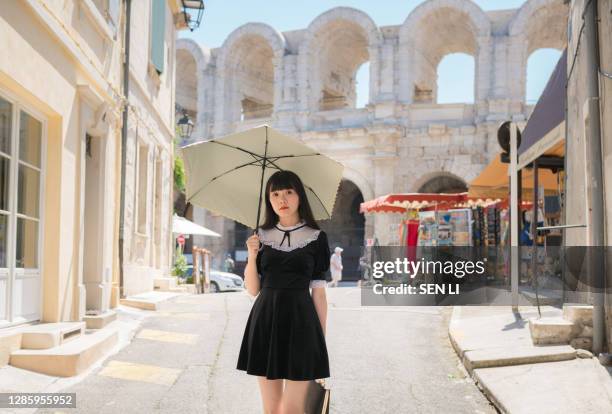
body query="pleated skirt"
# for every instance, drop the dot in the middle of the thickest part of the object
(283, 338)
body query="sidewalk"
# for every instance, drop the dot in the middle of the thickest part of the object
(495, 346)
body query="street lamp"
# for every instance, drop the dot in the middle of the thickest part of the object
(192, 10)
(185, 125)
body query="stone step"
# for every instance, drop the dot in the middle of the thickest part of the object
(9, 341)
(549, 331)
(148, 300)
(164, 284)
(70, 358)
(506, 356)
(101, 320)
(49, 335)
(578, 313)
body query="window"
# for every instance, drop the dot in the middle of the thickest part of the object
(143, 186)
(158, 31)
(20, 160)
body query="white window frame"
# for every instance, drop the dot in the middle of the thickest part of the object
(10, 271)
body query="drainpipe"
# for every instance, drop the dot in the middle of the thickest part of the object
(595, 212)
(124, 136)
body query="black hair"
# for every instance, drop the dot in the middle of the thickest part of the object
(285, 180)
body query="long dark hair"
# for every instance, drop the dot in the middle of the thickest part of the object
(285, 180)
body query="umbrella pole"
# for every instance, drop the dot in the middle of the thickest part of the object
(263, 170)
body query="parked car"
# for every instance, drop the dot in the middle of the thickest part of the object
(219, 281)
(224, 281)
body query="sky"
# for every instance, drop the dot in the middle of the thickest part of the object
(455, 72)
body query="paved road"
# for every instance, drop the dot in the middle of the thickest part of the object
(383, 360)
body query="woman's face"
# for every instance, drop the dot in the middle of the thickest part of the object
(285, 203)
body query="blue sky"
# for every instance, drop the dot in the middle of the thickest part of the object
(455, 73)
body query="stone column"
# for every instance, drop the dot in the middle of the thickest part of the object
(375, 75)
(385, 159)
(482, 81)
(405, 76)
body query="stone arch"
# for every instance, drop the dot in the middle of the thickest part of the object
(191, 62)
(346, 228)
(537, 24)
(423, 44)
(448, 182)
(335, 45)
(360, 181)
(249, 74)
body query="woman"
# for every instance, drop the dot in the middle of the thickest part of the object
(284, 339)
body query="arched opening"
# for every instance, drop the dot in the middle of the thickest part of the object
(186, 85)
(346, 228)
(540, 66)
(432, 42)
(539, 27)
(456, 76)
(443, 184)
(250, 78)
(362, 85)
(341, 49)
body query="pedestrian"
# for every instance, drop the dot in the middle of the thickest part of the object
(228, 265)
(284, 339)
(335, 264)
(364, 269)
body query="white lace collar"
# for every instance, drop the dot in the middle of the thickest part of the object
(288, 238)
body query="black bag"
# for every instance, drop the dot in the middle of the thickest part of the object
(317, 399)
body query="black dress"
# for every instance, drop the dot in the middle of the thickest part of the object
(283, 338)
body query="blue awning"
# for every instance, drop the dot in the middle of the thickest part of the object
(545, 130)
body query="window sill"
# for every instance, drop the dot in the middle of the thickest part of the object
(154, 75)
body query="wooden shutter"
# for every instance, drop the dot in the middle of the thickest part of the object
(158, 32)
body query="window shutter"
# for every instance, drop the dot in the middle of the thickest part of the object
(158, 31)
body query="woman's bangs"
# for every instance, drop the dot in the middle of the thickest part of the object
(282, 182)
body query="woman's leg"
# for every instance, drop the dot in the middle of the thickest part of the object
(294, 397)
(271, 393)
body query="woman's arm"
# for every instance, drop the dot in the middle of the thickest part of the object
(320, 301)
(251, 278)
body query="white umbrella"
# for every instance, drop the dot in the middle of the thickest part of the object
(227, 175)
(180, 225)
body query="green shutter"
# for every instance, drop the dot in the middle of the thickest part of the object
(158, 31)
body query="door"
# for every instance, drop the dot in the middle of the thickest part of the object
(21, 154)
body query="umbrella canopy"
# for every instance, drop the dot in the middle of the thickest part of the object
(226, 175)
(400, 203)
(180, 225)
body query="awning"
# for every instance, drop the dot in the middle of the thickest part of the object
(494, 181)
(400, 203)
(545, 130)
(180, 225)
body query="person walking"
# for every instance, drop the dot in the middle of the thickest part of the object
(336, 267)
(228, 264)
(284, 338)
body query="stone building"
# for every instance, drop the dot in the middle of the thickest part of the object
(579, 126)
(61, 103)
(303, 82)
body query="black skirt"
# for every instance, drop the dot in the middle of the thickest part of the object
(283, 338)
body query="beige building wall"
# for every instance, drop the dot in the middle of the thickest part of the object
(62, 65)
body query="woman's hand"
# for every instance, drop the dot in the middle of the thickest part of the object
(252, 244)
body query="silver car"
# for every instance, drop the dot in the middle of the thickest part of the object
(224, 281)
